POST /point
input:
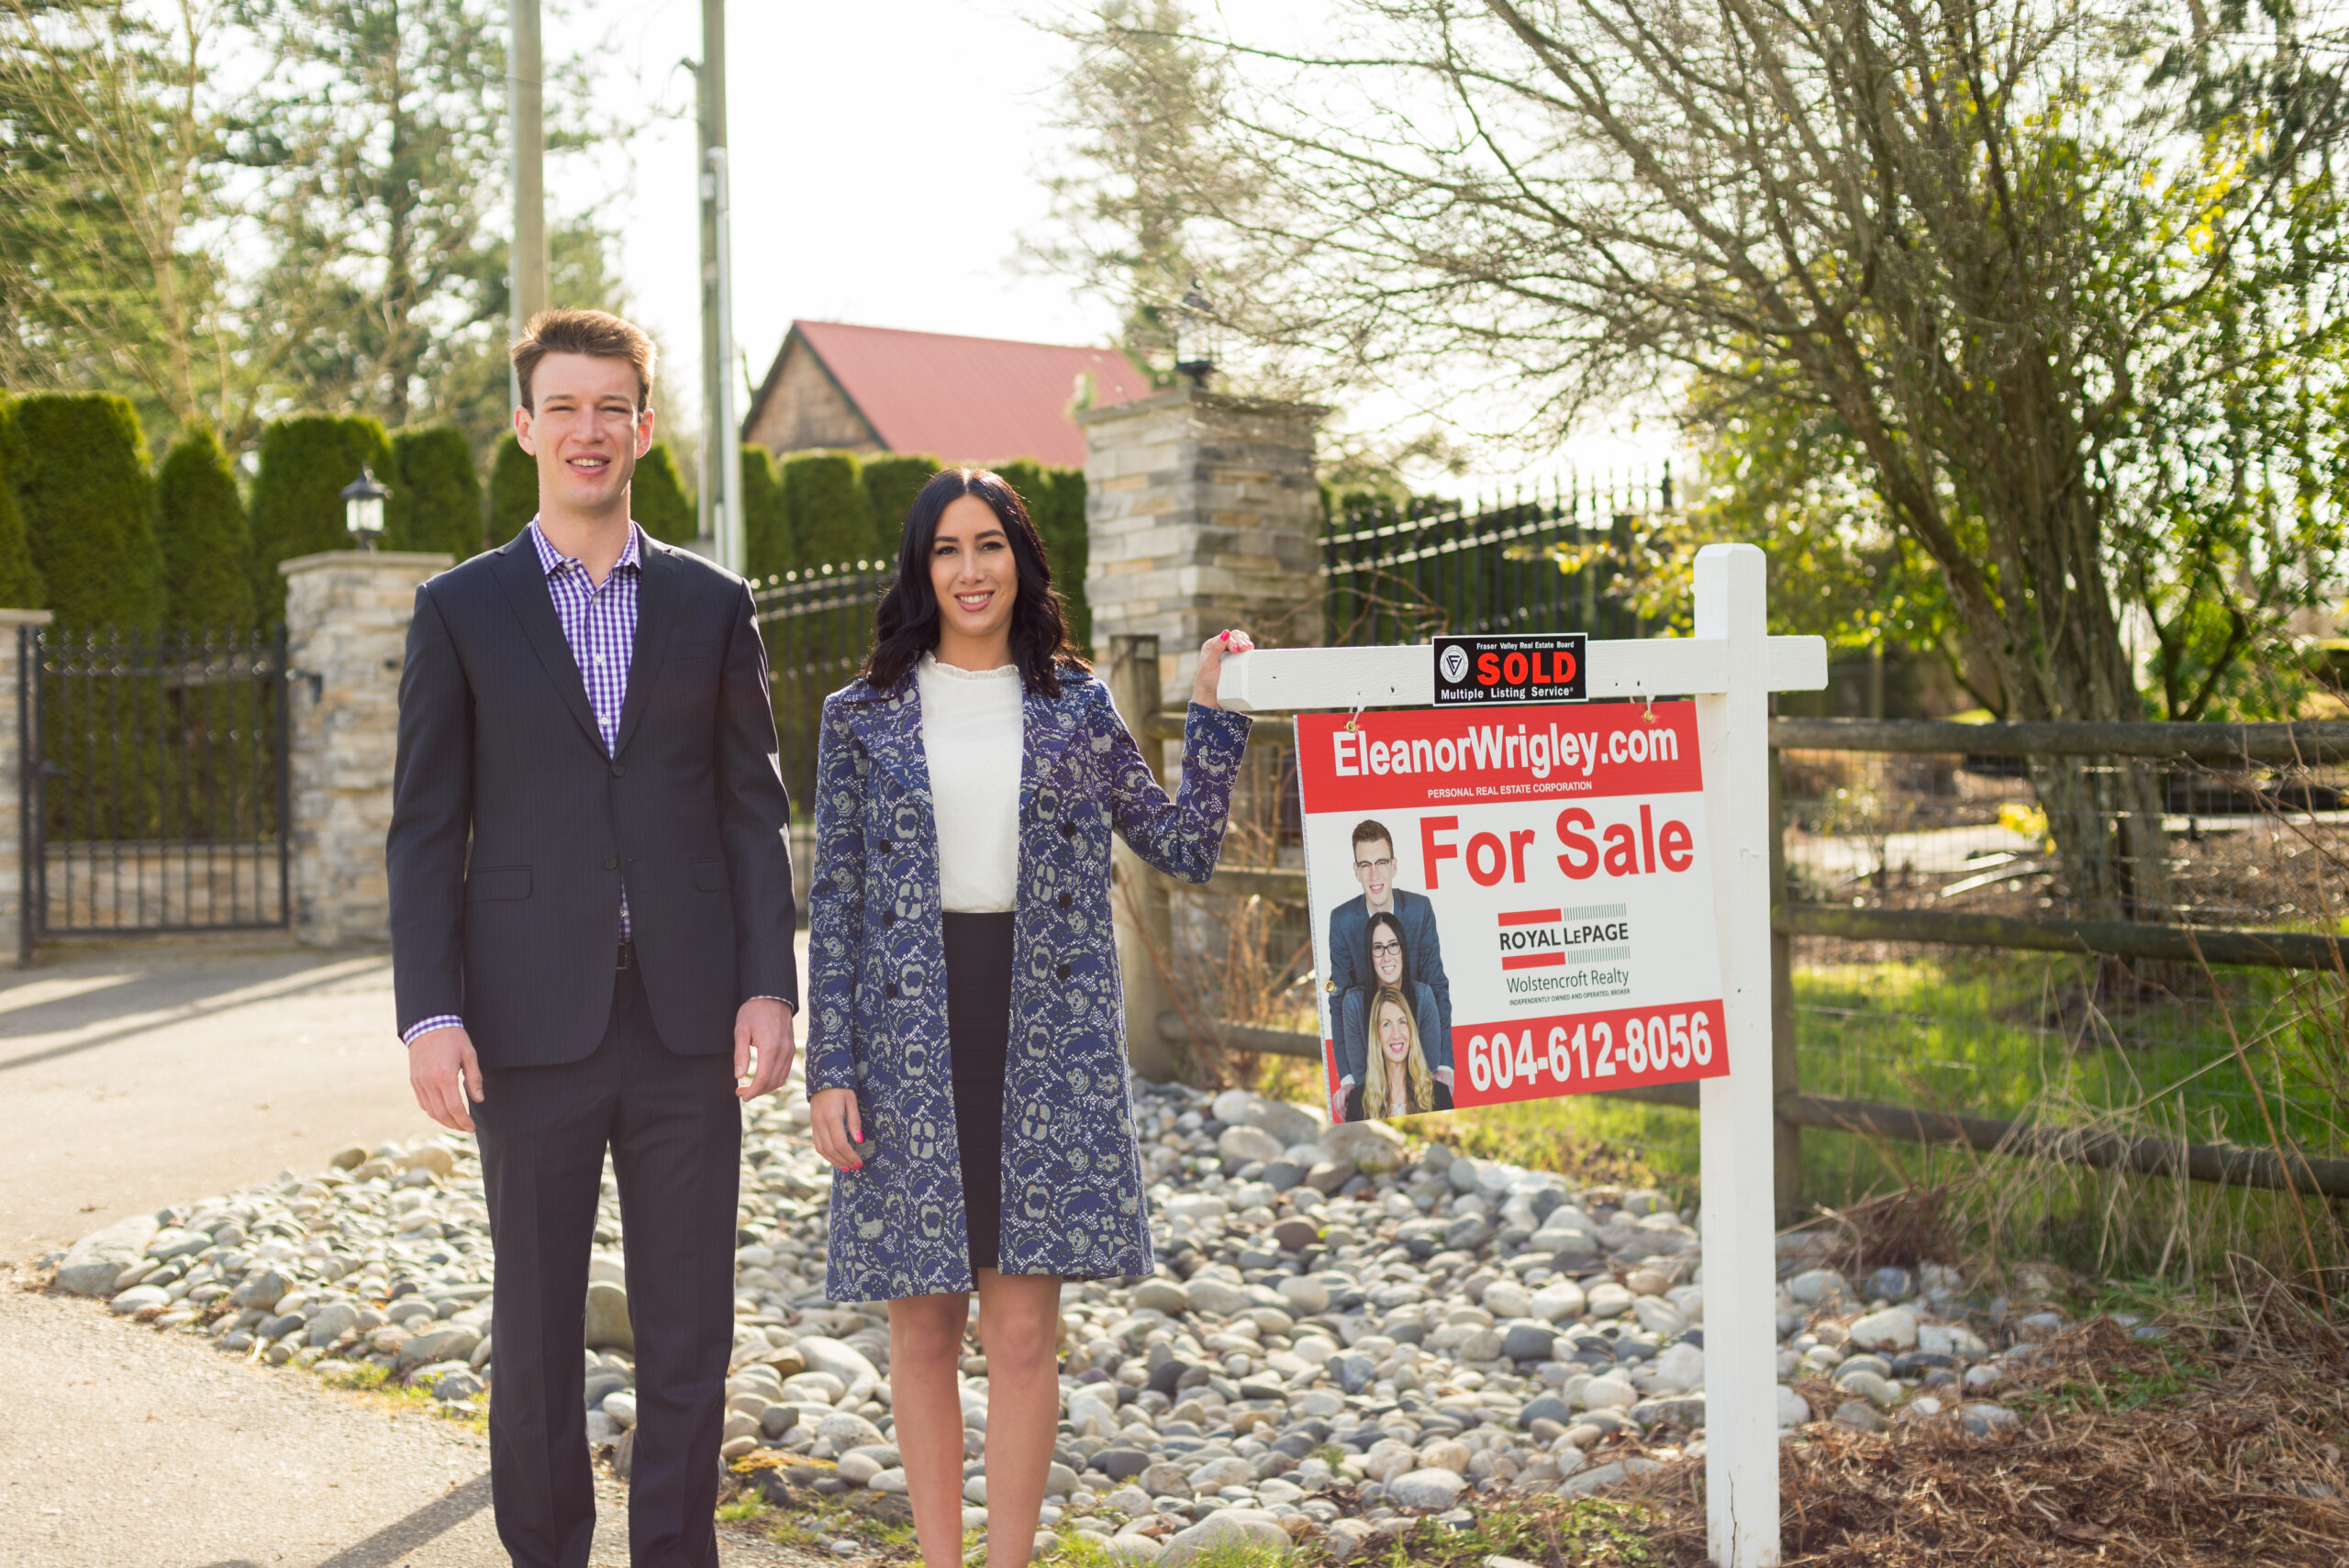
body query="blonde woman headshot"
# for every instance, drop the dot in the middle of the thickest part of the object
(966, 1064)
(1398, 1082)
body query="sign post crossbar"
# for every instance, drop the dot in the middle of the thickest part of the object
(1730, 665)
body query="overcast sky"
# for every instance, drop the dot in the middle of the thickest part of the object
(887, 158)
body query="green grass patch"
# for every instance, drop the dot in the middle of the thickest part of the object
(1585, 1532)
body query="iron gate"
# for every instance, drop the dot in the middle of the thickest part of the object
(155, 784)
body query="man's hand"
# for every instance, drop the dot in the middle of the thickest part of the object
(838, 1127)
(438, 1062)
(762, 1036)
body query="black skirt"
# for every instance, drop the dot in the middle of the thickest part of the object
(978, 1028)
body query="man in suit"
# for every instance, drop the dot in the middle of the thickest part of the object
(1351, 980)
(592, 939)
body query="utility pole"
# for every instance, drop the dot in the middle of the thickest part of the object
(719, 509)
(527, 142)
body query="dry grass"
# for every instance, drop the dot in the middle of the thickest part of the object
(2222, 1444)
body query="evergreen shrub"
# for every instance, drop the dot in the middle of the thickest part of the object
(82, 482)
(766, 541)
(892, 480)
(435, 495)
(297, 507)
(1055, 498)
(20, 583)
(205, 541)
(658, 499)
(823, 501)
(513, 491)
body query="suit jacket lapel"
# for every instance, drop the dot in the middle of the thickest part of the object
(525, 583)
(656, 617)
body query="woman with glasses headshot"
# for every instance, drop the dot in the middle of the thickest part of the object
(966, 1066)
(1360, 1028)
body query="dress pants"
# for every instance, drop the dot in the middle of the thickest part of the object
(674, 1130)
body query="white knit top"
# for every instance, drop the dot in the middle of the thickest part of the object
(972, 731)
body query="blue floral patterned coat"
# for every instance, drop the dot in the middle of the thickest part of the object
(1073, 1188)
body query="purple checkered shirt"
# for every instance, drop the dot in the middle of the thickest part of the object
(599, 622)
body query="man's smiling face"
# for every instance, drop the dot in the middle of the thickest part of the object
(585, 430)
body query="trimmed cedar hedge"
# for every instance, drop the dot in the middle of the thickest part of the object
(513, 491)
(80, 474)
(1055, 498)
(891, 481)
(824, 508)
(21, 587)
(658, 500)
(436, 494)
(766, 530)
(206, 543)
(297, 506)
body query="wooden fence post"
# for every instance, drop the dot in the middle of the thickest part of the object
(1786, 1078)
(1145, 919)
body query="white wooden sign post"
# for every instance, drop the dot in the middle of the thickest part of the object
(1730, 666)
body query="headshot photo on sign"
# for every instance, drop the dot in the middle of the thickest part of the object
(1382, 938)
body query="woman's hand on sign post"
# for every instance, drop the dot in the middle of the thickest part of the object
(837, 1126)
(1211, 654)
(1338, 1103)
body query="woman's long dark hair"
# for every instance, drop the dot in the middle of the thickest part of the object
(906, 626)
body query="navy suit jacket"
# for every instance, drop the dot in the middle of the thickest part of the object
(1351, 980)
(513, 832)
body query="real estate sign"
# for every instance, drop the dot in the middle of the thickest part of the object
(1510, 901)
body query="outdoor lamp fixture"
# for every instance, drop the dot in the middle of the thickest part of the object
(362, 508)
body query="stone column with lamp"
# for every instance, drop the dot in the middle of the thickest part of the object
(1202, 511)
(345, 627)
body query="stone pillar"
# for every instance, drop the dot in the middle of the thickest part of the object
(17, 693)
(1203, 512)
(346, 629)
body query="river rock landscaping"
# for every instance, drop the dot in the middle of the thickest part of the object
(1346, 1334)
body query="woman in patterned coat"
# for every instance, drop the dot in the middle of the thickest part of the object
(966, 1064)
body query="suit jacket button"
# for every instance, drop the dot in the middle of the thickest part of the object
(1063, 971)
(611, 863)
(1068, 830)
(889, 916)
(1064, 901)
(891, 990)
(619, 771)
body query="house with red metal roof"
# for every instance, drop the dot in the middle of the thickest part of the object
(967, 400)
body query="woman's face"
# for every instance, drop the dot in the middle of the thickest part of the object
(1387, 955)
(1394, 1032)
(972, 570)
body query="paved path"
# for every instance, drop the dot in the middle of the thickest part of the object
(139, 1074)
(132, 1449)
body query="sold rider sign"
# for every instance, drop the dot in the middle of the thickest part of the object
(1509, 903)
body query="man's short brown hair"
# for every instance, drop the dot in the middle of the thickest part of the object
(1369, 830)
(596, 332)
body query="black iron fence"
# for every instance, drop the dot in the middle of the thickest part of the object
(1404, 573)
(817, 625)
(155, 781)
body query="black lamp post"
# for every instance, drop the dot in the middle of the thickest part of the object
(363, 507)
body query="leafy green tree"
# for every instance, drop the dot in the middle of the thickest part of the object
(297, 505)
(114, 162)
(206, 543)
(766, 541)
(891, 481)
(435, 495)
(658, 500)
(20, 582)
(513, 491)
(826, 508)
(89, 504)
